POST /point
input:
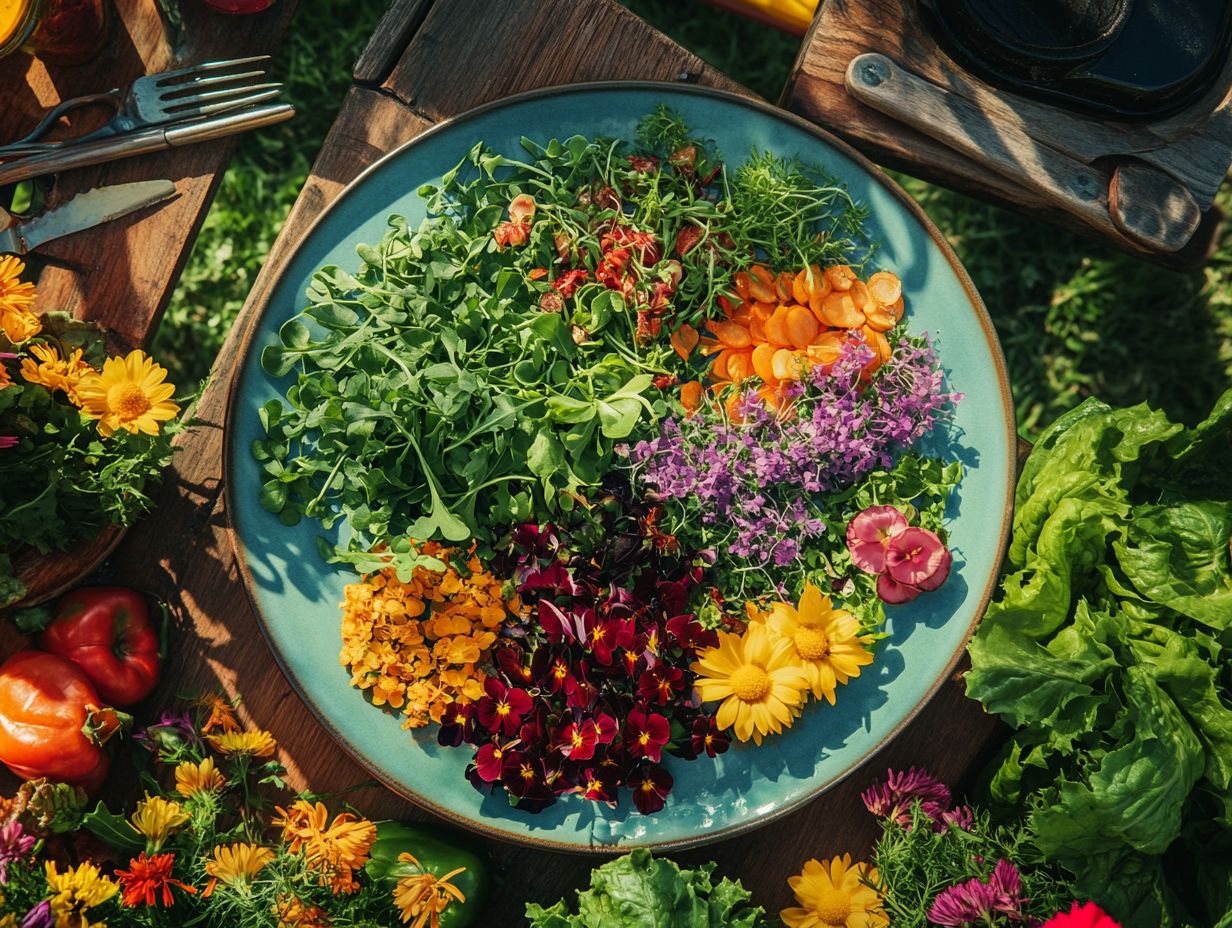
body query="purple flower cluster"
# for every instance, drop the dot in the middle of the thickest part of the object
(901, 790)
(976, 901)
(755, 480)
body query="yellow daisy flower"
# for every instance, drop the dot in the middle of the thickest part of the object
(834, 896)
(423, 897)
(759, 679)
(235, 864)
(54, 372)
(191, 779)
(157, 819)
(18, 325)
(16, 296)
(256, 743)
(76, 890)
(6, 380)
(826, 640)
(293, 912)
(129, 394)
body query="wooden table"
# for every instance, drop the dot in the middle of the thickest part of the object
(429, 61)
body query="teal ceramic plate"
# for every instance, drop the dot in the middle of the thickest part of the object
(297, 594)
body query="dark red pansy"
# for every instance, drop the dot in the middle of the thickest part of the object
(651, 785)
(510, 660)
(646, 733)
(707, 738)
(457, 726)
(490, 761)
(502, 708)
(597, 785)
(602, 640)
(578, 740)
(660, 683)
(606, 728)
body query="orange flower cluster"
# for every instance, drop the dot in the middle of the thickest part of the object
(786, 323)
(418, 646)
(335, 850)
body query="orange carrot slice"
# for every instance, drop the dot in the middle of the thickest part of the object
(776, 327)
(840, 311)
(733, 335)
(896, 308)
(739, 366)
(763, 362)
(801, 327)
(859, 295)
(761, 285)
(782, 284)
(800, 287)
(885, 288)
(879, 318)
(740, 281)
(841, 277)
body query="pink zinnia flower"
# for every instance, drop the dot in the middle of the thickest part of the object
(894, 798)
(9, 441)
(960, 817)
(1082, 916)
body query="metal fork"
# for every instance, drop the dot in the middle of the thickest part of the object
(156, 99)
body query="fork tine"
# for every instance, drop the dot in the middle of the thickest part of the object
(171, 76)
(190, 108)
(191, 87)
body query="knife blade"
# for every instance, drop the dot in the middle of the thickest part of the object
(84, 211)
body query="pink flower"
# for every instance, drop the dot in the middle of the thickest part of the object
(975, 900)
(895, 797)
(9, 441)
(908, 560)
(869, 533)
(15, 845)
(960, 817)
(1085, 916)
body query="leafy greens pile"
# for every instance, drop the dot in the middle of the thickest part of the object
(454, 387)
(1109, 649)
(643, 890)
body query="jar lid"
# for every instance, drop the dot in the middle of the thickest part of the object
(18, 18)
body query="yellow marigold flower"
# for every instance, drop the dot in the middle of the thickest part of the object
(758, 678)
(6, 380)
(423, 897)
(834, 895)
(10, 920)
(235, 864)
(19, 325)
(191, 779)
(76, 890)
(54, 372)
(826, 640)
(14, 292)
(157, 819)
(292, 912)
(129, 394)
(335, 850)
(256, 743)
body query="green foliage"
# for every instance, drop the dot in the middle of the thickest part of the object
(915, 864)
(1107, 649)
(641, 890)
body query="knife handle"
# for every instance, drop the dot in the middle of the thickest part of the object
(1006, 148)
(142, 143)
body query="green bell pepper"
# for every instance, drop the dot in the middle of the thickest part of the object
(436, 857)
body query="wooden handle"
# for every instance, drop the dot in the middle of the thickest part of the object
(1007, 149)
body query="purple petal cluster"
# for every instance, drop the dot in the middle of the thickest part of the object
(976, 901)
(15, 846)
(756, 480)
(902, 789)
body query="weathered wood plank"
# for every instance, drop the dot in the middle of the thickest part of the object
(389, 40)
(122, 274)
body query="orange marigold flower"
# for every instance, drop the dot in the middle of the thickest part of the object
(292, 912)
(417, 646)
(148, 877)
(422, 897)
(335, 850)
(222, 713)
(48, 369)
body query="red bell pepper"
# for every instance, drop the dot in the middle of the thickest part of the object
(107, 632)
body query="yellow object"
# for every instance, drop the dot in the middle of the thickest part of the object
(789, 15)
(128, 394)
(18, 18)
(827, 640)
(191, 779)
(834, 895)
(255, 743)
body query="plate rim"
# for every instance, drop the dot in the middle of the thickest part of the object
(482, 826)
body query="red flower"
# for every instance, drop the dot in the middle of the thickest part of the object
(501, 708)
(651, 785)
(569, 281)
(490, 761)
(1085, 916)
(660, 683)
(606, 728)
(511, 233)
(684, 160)
(524, 778)
(687, 239)
(643, 164)
(578, 742)
(145, 876)
(509, 661)
(707, 739)
(623, 240)
(646, 734)
(457, 726)
(597, 785)
(550, 301)
(689, 633)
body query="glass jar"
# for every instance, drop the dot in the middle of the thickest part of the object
(57, 31)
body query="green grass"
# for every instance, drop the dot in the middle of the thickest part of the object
(1075, 319)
